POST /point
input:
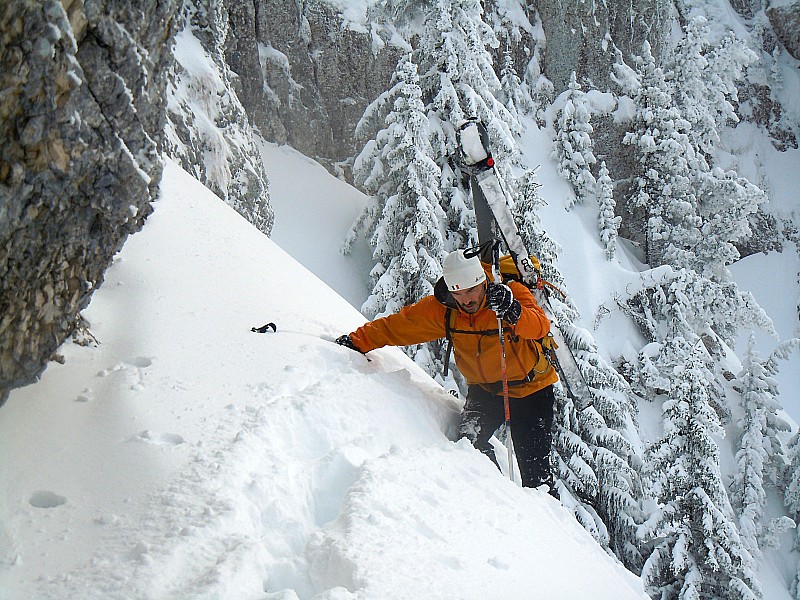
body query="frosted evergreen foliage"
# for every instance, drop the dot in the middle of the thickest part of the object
(607, 222)
(691, 90)
(792, 494)
(692, 312)
(624, 76)
(573, 143)
(404, 221)
(513, 94)
(760, 458)
(575, 468)
(677, 306)
(698, 551)
(790, 481)
(703, 88)
(459, 76)
(528, 203)
(459, 79)
(598, 465)
(791, 497)
(727, 203)
(728, 63)
(664, 180)
(697, 305)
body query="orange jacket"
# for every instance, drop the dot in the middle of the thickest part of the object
(477, 356)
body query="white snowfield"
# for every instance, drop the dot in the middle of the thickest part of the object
(187, 457)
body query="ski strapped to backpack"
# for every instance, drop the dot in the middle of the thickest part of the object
(491, 203)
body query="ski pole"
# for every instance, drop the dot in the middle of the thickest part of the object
(506, 405)
(265, 328)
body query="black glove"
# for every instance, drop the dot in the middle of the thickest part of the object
(347, 342)
(500, 299)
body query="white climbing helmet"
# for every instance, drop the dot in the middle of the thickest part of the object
(461, 273)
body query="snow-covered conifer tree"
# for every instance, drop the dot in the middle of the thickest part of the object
(528, 202)
(703, 83)
(458, 71)
(513, 94)
(727, 202)
(728, 61)
(607, 221)
(682, 300)
(689, 82)
(687, 326)
(695, 214)
(760, 456)
(664, 178)
(458, 75)
(573, 143)
(404, 221)
(703, 88)
(698, 552)
(747, 490)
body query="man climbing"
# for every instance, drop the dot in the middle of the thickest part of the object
(465, 308)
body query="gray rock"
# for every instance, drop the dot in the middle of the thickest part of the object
(81, 122)
(784, 17)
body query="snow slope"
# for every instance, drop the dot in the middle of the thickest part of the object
(187, 457)
(313, 212)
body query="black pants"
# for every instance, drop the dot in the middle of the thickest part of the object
(531, 429)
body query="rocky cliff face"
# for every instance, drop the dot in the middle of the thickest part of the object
(81, 121)
(784, 17)
(305, 77)
(209, 131)
(581, 41)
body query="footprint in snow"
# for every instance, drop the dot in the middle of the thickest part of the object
(142, 362)
(85, 396)
(46, 499)
(160, 439)
(139, 362)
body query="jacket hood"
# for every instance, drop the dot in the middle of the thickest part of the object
(443, 295)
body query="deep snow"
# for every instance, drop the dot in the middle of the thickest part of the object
(187, 457)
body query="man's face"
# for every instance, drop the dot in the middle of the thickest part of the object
(471, 299)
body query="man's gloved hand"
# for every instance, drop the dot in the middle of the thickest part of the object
(500, 299)
(347, 342)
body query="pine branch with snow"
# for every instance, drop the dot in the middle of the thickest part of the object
(513, 93)
(761, 455)
(664, 175)
(573, 143)
(607, 221)
(404, 220)
(698, 552)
